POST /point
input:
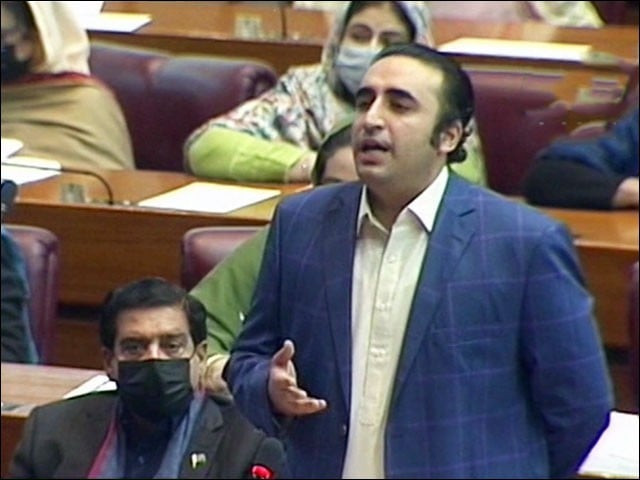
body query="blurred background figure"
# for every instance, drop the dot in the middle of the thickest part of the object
(594, 173)
(50, 101)
(568, 14)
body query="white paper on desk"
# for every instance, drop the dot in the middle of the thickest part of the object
(83, 8)
(115, 21)
(99, 383)
(616, 453)
(209, 197)
(10, 146)
(497, 47)
(34, 169)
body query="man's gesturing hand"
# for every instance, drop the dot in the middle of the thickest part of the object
(286, 398)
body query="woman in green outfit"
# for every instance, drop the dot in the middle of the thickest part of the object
(227, 290)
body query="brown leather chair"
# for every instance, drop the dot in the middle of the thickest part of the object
(516, 115)
(166, 96)
(203, 248)
(634, 330)
(40, 249)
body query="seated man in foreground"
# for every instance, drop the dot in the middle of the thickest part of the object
(158, 424)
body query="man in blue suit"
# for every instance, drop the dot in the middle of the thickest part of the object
(439, 330)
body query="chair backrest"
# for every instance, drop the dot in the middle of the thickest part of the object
(166, 96)
(634, 330)
(205, 247)
(40, 249)
(516, 116)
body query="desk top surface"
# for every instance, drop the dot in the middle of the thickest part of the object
(132, 186)
(103, 246)
(600, 229)
(26, 386)
(219, 21)
(607, 229)
(147, 240)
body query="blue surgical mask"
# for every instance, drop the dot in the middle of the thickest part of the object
(351, 64)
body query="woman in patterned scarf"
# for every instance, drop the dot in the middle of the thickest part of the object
(274, 138)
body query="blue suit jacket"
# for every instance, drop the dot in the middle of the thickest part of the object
(615, 152)
(502, 371)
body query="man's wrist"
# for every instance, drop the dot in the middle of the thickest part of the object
(301, 170)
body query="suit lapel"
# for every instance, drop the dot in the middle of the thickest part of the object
(339, 247)
(199, 459)
(451, 234)
(88, 434)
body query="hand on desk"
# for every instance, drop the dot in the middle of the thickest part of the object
(286, 397)
(626, 195)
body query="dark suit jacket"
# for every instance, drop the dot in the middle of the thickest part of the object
(501, 375)
(62, 439)
(585, 173)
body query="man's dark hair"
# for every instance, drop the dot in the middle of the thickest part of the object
(150, 293)
(334, 141)
(456, 99)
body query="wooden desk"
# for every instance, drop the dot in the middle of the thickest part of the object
(220, 20)
(607, 243)
(214, 28)
(294, 37)
(613, 40)
(104, 246)
(26, 386)
(207, 19)
(315, 26)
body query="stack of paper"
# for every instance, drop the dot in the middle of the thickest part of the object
(496, 47)
(209, 197)
(616, 453)
(23, 169)
(115, 21)
(99, 383)
(10, 146)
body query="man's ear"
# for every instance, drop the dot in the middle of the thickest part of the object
(201, 351)
(450, 137)
(110, 363)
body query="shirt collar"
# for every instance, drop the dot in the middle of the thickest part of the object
(424, 206)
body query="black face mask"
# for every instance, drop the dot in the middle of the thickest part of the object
(12, 68)
(155, 389)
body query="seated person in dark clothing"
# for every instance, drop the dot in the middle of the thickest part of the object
(17, 342)
(599, 173)
(159, 423)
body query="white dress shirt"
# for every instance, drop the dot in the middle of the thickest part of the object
(386, 269)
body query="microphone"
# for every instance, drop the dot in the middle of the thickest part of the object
(269, 460)
(9, 190)
(103, 181)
